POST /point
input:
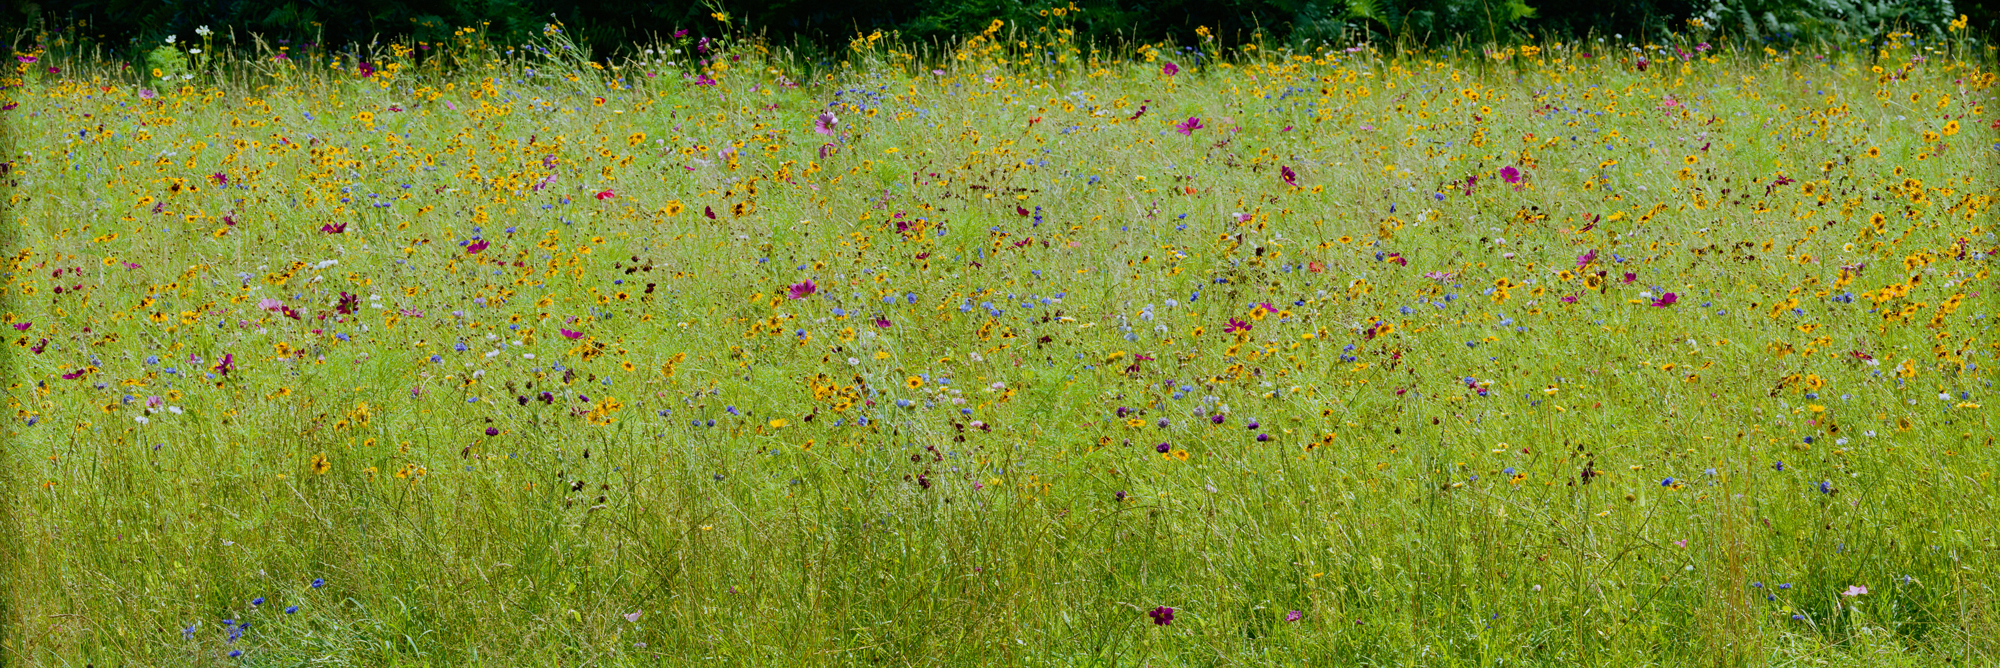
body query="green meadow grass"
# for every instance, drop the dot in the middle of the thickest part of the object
(1377, 366)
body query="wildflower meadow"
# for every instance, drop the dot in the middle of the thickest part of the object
(1013, 350)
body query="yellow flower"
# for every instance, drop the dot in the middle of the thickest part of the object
(320, 465)
(914, 382)
(635, 139)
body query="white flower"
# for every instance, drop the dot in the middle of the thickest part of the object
(171, 38)
(203, 31)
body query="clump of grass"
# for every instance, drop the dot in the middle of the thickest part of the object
(1010, 352)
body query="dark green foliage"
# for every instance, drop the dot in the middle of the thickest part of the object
(609, 24)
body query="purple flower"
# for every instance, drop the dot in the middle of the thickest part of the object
(1163, 615)
(1163, 448)
(317, 583)
(826, 123)
(1170, 69)
(801, 290)
(475, 247)
(1187, 127)
(1290, 177)
(1510, 174)
(569, 334)
(1294, 616)
(492, 431)
(1667, 300)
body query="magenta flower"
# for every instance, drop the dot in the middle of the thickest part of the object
(1163, 615)
(826, 123)
(1569, 299)
(331, 228)
(882, 323)
(801, 290)
(1187, 127)
(1290, 177)
(475, 247)
(1629, 277)
(1510, 174)
(23, 326)
(1235, 326)
(1294, 616)
(1667, 300)
(1170, 69)
(1585, 259)
(228, 364)
(269, 304)
(567, 334)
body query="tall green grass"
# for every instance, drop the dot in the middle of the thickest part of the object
(1378, 409)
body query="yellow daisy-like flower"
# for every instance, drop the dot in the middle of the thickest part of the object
(635, 139)
(914, 382)
(320, 465)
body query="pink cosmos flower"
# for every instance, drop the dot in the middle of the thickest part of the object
(1170, 69)
(801, 290)
(1187, 127)
(1855, 590)
(1290, 177)
(475, 247)
(567, 334)
(1667, 300)
(605, 194)
(1510, 174)
(826, 123)
(270, 304)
